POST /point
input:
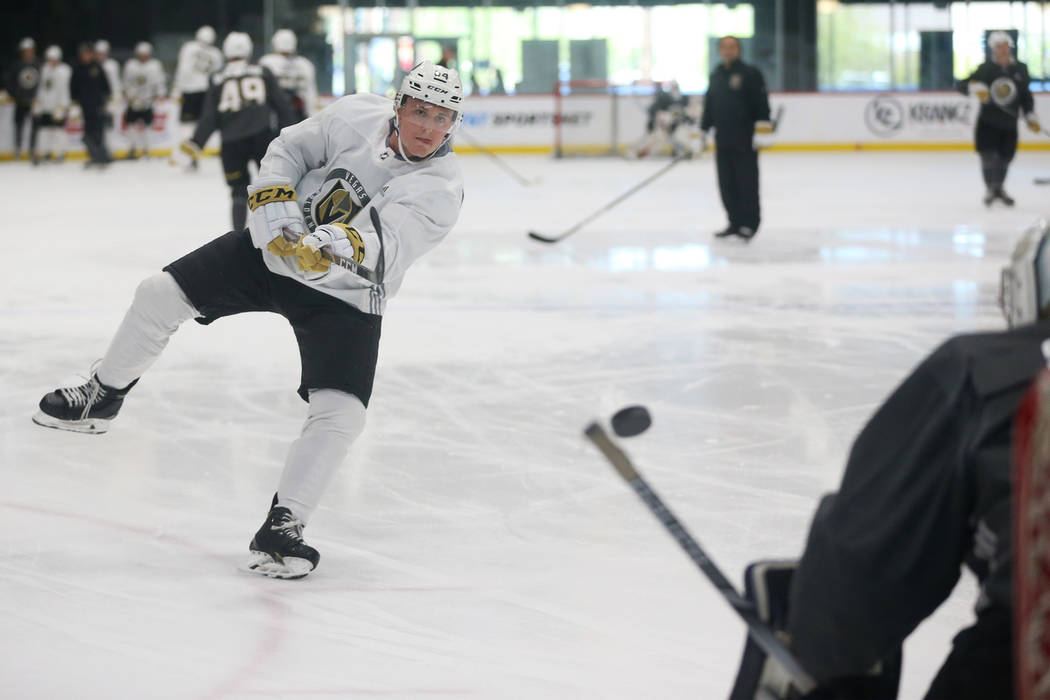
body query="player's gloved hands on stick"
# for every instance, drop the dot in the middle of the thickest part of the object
(980, 90)
(343, 240)
(1033, 123)
(763, 137)
(273, 206)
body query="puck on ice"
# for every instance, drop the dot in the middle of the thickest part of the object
(631, 421)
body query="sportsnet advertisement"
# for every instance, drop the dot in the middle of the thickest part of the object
(525, 123)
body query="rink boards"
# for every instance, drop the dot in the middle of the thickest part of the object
(526, 123)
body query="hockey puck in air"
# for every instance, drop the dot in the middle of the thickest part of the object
(631, 421)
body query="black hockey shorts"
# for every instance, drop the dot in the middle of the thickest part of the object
(46, 120)
(992, 138)
(338, 344)
(192, 105)
(238, 153)
(138, 116)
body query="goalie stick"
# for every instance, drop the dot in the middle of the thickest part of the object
(374, 276)
(562, 236)
(759, 630)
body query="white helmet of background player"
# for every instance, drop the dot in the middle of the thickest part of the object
(206, 35)
(143, 49)
(284, 41)
(53, 53)
(102, 47)
(1024, 292)
(435, 85)
(26, 44)
(237, 45)
(996, 38)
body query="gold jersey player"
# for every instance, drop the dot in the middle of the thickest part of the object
(367, 181)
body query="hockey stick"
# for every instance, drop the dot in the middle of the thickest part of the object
(562, 236)
(759, 630)
(374, 276)
(522, 180)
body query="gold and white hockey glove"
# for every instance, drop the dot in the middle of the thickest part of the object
(273, 207)
(980, 91)
(1033, 122)
(763, 137)
(344, 240)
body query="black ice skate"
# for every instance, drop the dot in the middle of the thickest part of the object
(989, 197)
(278, 550)
(87, 408)
(1004, 198)
(726, 232)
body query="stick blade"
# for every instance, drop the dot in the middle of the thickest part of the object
(541, 238)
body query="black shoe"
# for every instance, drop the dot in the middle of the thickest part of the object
(989, 197)
(746, 233)
(1004, 198)
(87, 408)
(727, 232)
(278, 550)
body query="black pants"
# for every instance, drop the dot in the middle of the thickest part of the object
(94, 128)
(738, 183)
(236, 155)
(997, 147)
(980, 665)
(22, 115)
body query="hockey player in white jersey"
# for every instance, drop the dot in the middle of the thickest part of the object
(198, 59)
(51, 107)
(295, 74)
(144, 83)
(345, 202)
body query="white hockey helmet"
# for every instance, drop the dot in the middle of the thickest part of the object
(1024, 290)
(102, 46)
(237, 45)
(143, 47)
(996, 38)
(26, 43)
(206, 35)
(284, 41)
(435, 85)
(53, 53)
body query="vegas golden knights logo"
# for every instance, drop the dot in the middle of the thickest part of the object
(337, 206)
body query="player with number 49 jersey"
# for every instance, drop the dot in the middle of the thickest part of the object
(240, 103)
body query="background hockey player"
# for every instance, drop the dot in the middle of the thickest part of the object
(374, 182)
(667, 113)
(241, 103)
(1001, 86)
(198, 59)
(925, 492)
(295, 74)
(51, 107)
(737, 107)
(22, 80)
(144, 83)
(111, 67)
(89, 88)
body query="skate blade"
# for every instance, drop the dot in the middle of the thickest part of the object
(265, 565)
(89, 426)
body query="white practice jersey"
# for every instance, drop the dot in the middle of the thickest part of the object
(112, 70)
(296, 75)
(52, 97)
(197, 61)
(144, 82)
(341, 167)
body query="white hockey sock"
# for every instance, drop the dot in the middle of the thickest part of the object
(158, 309)
(335, 420)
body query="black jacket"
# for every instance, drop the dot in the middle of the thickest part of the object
(1010, 82)
(926, 490)
(89, 86)
(736, 99)
(240, 102)
(22, 80)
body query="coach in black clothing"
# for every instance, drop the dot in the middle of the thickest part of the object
(90, 88)
(737, 106)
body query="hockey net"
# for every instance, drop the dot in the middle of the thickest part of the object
(601, 117)
(1032, 541)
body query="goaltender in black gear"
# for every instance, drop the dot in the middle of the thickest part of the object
(925, 492)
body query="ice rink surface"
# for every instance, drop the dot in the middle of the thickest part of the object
(474, 546)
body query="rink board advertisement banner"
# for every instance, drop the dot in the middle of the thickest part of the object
(526, 123)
